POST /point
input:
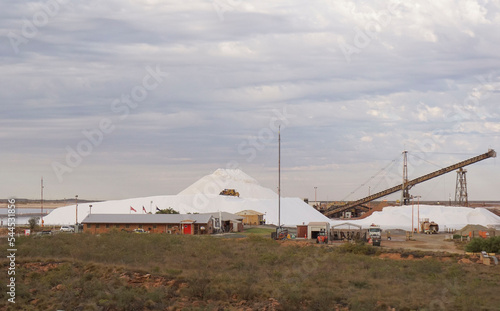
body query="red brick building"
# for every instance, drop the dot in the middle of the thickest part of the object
(153, 223)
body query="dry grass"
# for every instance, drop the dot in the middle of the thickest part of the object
(155, 272)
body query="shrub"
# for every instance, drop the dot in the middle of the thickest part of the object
(490, 245)
(358, 248)
(33, 223)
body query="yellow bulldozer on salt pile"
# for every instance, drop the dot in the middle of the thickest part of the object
(230, 192)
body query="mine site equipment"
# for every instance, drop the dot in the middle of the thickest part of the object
(348, 232)
(406, 185)
(322, 237)
(429, 227)
(230, 192)
(375, 234)
(280, 234)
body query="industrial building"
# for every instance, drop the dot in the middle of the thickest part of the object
(315, 228)
(153, 223)
(227, 222)
(251, 217)
(206, 223)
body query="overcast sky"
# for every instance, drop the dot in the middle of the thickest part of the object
(121, 99)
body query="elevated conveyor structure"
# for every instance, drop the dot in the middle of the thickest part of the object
(402, 187)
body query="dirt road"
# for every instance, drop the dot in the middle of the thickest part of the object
(423, 242)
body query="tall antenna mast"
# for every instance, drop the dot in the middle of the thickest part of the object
(41, 204)
(279, 176)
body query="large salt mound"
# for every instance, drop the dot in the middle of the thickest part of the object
(447, 217)
(203, 197)
(229, 179)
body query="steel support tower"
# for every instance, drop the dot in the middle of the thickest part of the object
(405, 189)
(461, 198)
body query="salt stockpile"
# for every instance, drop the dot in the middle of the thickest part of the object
(221, 179)
(203, 197)
(447, 217)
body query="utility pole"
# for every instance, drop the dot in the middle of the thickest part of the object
(412, 221)
(315, 197)
(76, 212)
(369, 203)
(418, 213)
(279, 176)
(41, 204)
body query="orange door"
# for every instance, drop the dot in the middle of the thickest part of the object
(186, 229)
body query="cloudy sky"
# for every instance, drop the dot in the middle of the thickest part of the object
(120, 99)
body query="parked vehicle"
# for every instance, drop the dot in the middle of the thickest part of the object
(139, 230)
(67, 229)
(375, 235)
(322, 238)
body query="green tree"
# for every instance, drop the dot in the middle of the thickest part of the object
(167, 211)
(33, 222)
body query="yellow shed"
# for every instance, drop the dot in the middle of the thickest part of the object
(251, 217)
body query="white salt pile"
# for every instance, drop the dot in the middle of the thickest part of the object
(203, 197)
(447, 217)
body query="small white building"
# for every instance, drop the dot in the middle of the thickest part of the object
(314, 228)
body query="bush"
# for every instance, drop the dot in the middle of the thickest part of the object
(33, 223)
(358, 248)
(490, 245)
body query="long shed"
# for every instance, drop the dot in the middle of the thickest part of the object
(153, 223)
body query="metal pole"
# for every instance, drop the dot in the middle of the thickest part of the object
(369, 203)
(418, 212)
(412, 221)
(41, 204)
(404, 190)
(279, 176)
(315, 199)
(76, 211)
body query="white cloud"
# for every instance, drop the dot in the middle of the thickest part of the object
(366, 139)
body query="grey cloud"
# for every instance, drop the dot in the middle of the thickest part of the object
(226, 77)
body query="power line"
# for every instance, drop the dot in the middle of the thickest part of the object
(372, 177)
(416, 156)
